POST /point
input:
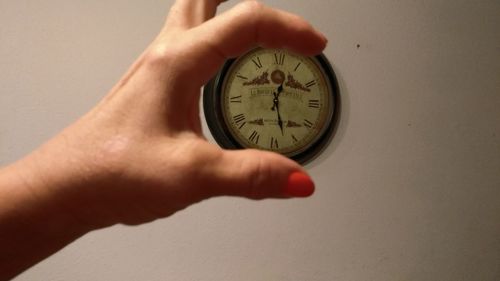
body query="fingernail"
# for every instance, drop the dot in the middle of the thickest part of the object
(324, 38)
(299, 185)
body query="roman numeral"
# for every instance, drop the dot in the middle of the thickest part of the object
(314, 103)
(310, 83)
(297, 67)
(308, 123)
(294, 138)
(236, 99)
(274, 143)
(242, 77)
(239, 120)
(254, 137)
(257, 62)
(279, 59)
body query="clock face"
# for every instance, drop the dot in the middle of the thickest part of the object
(275, 100)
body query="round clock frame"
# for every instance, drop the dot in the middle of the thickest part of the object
(212, 104)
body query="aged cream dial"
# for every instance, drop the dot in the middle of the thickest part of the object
(276, 100)
(273, 99)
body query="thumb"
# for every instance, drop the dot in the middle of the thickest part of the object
(258, 175)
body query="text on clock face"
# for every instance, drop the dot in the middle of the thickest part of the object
(275, 100)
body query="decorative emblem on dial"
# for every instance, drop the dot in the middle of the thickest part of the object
(275, 100)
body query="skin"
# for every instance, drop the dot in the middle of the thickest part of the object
(140, 155)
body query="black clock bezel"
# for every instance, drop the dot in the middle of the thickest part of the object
(212, 106)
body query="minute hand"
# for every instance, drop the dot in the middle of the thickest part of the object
(276, 106)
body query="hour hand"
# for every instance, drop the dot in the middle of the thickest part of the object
(275, 102)
(276, 97)
(280, 89)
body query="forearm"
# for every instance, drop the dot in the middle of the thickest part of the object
(32, 225)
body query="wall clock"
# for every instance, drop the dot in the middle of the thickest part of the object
(273, 99)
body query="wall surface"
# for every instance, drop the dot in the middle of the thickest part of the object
(409, 189)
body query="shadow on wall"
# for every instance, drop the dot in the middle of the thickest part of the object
(341, 123)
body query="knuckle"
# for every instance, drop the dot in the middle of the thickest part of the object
(163, 51)
(251, 7)
(254, 4)
(158, 54)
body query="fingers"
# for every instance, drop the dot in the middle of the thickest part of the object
(248, 24)
(251, 23)
(186, 14)
(193, 56)
(258, 175)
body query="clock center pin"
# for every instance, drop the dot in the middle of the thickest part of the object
(277, 76)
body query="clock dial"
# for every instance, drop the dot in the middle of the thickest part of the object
(276, 100)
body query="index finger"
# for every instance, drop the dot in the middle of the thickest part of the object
(186, 14)
(247, 25)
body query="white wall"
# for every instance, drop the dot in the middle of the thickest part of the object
(408, 190)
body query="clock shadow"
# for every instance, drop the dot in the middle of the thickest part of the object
(340, 127)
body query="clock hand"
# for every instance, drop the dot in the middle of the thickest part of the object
(275, 102)
(280, 89)
(280, 122)
(276, 97)
(276, 106)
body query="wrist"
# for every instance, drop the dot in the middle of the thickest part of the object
(29, 194)
(32, 225)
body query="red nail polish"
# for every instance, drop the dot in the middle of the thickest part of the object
(299, 185)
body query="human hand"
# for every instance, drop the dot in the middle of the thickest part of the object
(140, 153)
